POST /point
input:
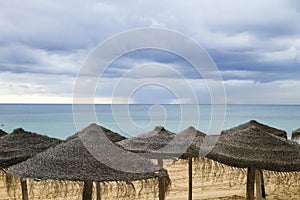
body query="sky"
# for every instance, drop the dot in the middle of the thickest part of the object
(255, 45)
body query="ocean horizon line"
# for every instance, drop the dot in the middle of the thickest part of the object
(246, 104)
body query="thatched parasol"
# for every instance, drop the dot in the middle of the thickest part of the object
(253, 145)
(148, 142)
(190, 139)
(256, 146)
(184, 145)
(112, 136)
(161, 143)
(296, 134)
(21, 145)
(72, 161)
(2, 133)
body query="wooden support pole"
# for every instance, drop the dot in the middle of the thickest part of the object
(160, 162)
(87, 191)
(263, 190)
(258, 184)
(98, 191)
(250, 184)
(24, 189)
(161, 187)
(190, 178)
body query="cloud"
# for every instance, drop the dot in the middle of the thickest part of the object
(250, 92)
(59, 89)
(30, 83)
(255, 44)
(55, 25)
(19, 58)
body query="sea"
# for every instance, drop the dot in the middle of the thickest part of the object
(63, 120)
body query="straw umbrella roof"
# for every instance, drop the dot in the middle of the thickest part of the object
(163, 143)
(21, 145)
(112, 136)
(264, 128)
(2, 133)
(194, 135)
(72, 161)
(254, 145)
(296, 134)
(149, 141)
(185, 144)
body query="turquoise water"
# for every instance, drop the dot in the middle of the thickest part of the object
(57, 120)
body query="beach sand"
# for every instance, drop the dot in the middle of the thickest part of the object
(210, 181)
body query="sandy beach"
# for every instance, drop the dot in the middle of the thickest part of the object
(213, 181)
(150, 100)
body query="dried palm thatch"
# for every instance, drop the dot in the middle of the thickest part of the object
(151, 143)
(112, 136)
(254, 145)
(296, 134)
(37, 189)
(72, 161)
(148, 142)
(257, 147)
(189, 139)
(61, 189)
(161, 143)
(2, 133)
(185, 145)
(21, 145)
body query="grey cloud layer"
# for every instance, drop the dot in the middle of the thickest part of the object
(255, 44)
